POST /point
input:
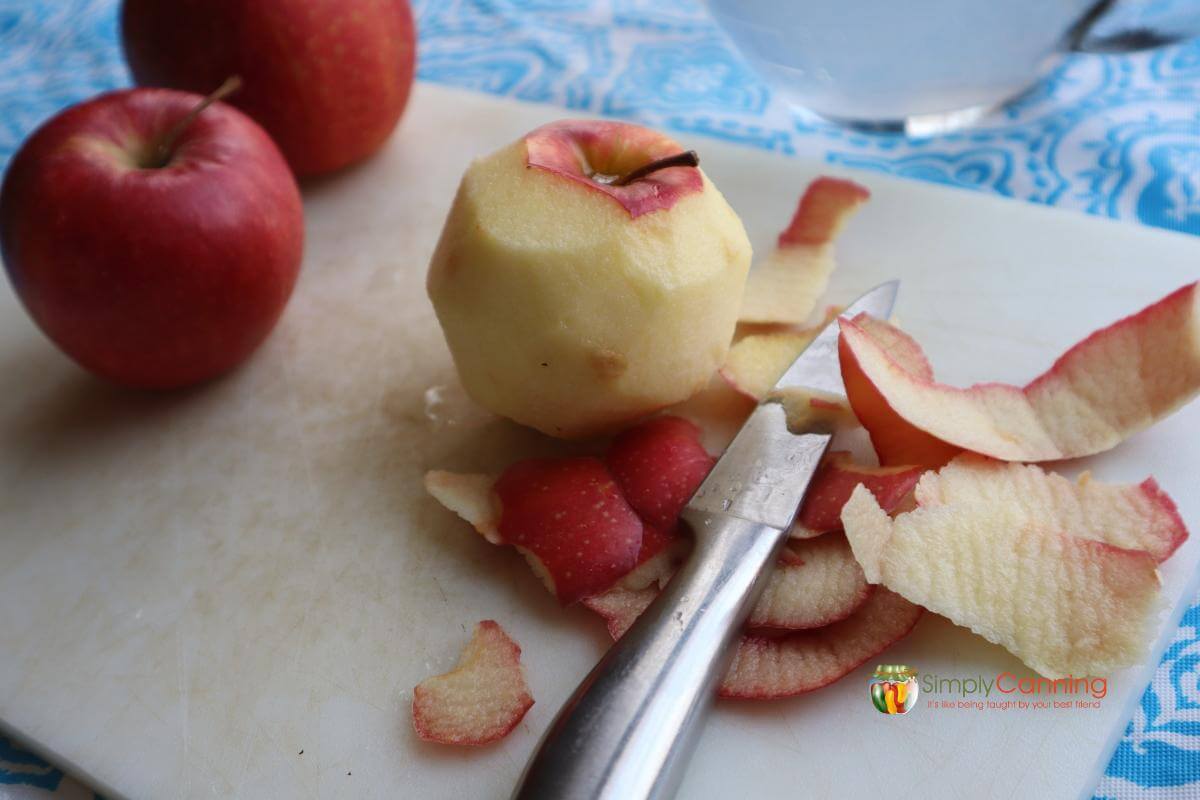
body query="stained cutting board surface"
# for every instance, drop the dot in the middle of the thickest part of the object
(196, 587)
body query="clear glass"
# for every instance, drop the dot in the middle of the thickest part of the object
(887, 64)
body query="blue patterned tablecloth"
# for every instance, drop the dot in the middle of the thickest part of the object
(1116, 136)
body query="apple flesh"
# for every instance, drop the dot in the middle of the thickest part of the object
(787, 286)
(575, 305)
(482, 699)
(1114, 383)
(152, 269)
(328, 79)
(1024, 559)
(1130, 516)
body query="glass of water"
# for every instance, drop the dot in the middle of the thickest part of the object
(928, 66)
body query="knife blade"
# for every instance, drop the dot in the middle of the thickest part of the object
(758, 478)
(628, 730)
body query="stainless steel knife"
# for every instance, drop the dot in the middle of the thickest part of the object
(629, 729)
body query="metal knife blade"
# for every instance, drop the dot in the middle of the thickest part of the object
(764, 473)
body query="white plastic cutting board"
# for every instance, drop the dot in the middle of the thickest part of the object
(194, 588)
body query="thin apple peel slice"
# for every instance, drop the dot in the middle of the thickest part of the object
(787, 286)
(620, 607)
(1116, 382)
(755, 362)
(817, 583)
(766, 668)
(832, 485)
(470, 496)
(826, 586)
(482, 699)
(572, 523)
(1013, 572)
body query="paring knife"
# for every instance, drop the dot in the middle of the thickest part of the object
(629, 729)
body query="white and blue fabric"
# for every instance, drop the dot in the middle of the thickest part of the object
(1115, 136)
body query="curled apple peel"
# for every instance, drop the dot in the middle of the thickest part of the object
(835, 481)
(1025, 559)
(787, 285)
(766, 668)
(1114, 383)
(570, 520)
(482, 699)
(470, 496)
(826, 586)
(817, 583)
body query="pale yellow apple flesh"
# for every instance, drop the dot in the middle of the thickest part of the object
(1025, 559)
(569, 312)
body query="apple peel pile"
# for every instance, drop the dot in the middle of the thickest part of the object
(788, 284)
(605, 532)
(1114, 383)
(1062, 573)
(481, 699)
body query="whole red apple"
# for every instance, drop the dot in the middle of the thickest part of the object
(328, 79)
(150, 262)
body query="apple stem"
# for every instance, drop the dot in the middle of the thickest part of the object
(167, 145)
(688, 158)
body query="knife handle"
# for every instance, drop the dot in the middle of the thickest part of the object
(627, 731)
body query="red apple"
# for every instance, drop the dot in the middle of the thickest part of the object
(328, 79)
(153, 269)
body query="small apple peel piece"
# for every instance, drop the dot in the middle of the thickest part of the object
(1015, 572)
(661, 553)
(569, 519)
(756, 362)
(1116, 382)
(481, 699)
(620, 607)
(470, 496)
(658, 465)
(765, 668)
(832, 485)
(826, 586)
(787, 286)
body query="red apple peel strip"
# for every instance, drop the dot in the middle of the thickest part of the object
(832, 485)
(766, 668)
(1116, 382)
(787, 286)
